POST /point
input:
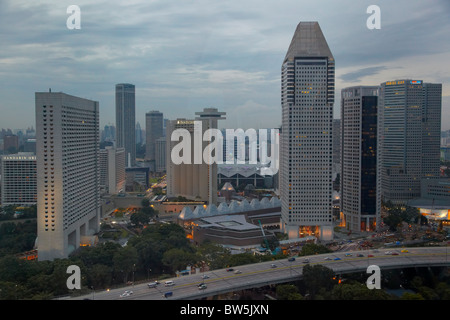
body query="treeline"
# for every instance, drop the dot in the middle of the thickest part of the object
(158, 252)
(321, 283)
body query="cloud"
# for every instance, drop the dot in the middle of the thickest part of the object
(357, 75)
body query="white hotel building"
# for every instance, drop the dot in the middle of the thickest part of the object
(68, 193)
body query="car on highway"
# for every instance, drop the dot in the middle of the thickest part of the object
(337, 258)
(291, 259)
(388, 252)
(167, 294)
(306, 260)
(348, 254)
(153, 284)
(405, 251)
(230, 269)
(360, 255)
(205, 276)
(202, 286)
(394, 253)
(127, 293)
(273, 265)
(327, 258)
(370, 255)
(237, 272)
(169, 283)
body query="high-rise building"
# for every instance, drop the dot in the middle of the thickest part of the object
(154, 123)
(139, 138)
(126, 121)
(11, 144)
(196, 180)
(112, 170)
(18, 179)
(409, 124)
(307, 98)
(68, 193)
(160, 154)
(360, 201)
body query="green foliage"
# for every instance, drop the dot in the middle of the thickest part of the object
(398, 214)
(288, 292)
(17, 237)
(318, 277)
(312, 248)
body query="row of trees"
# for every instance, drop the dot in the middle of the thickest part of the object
(320, 283)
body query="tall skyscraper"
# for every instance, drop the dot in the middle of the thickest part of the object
(409, 121)
(126, 121)
(154, 123)
(196, 181)
(307, 98)
(68, 194)
(360, 201)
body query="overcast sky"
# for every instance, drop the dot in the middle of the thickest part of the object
(185, 55)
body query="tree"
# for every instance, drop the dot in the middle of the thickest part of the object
(357, 291)
(317, 277)
(178, 259)
(125, 261)
(312, 248)
(288, 292)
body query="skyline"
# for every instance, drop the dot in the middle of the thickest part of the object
(200, 54)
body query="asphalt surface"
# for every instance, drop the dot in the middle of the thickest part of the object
(260, 274)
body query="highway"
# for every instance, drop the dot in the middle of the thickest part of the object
(261, 274)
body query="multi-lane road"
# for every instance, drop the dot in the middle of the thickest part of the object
(278, 271)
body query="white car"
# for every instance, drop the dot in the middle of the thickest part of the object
(127, 293)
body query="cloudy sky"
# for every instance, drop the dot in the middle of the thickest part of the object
(185, 55)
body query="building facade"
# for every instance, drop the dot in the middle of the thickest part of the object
(126, 121)
(360, 201)
(68, 192)
(196, 180)
(154, 122)
(307, 98)
(18, 179)
(409, 121)
(112, 170)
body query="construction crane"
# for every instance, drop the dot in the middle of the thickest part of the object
(265, 238)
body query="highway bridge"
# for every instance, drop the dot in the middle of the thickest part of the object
(279, 271)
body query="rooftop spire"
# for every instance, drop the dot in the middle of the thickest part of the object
(308, 41)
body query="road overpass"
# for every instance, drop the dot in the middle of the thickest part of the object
(261, 274)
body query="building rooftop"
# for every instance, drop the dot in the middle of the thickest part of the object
(308, 41)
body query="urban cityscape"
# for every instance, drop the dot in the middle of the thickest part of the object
(340, 192)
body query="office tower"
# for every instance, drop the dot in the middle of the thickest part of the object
(30, 146)
(67, 145)
(126, 121)
(108, 133)
(18, 179)
(195, 180)
(112, 170)
(11, 144)
(154, 122)
(307, 97)
(409, 116)
(160, 155)
(360, 201)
